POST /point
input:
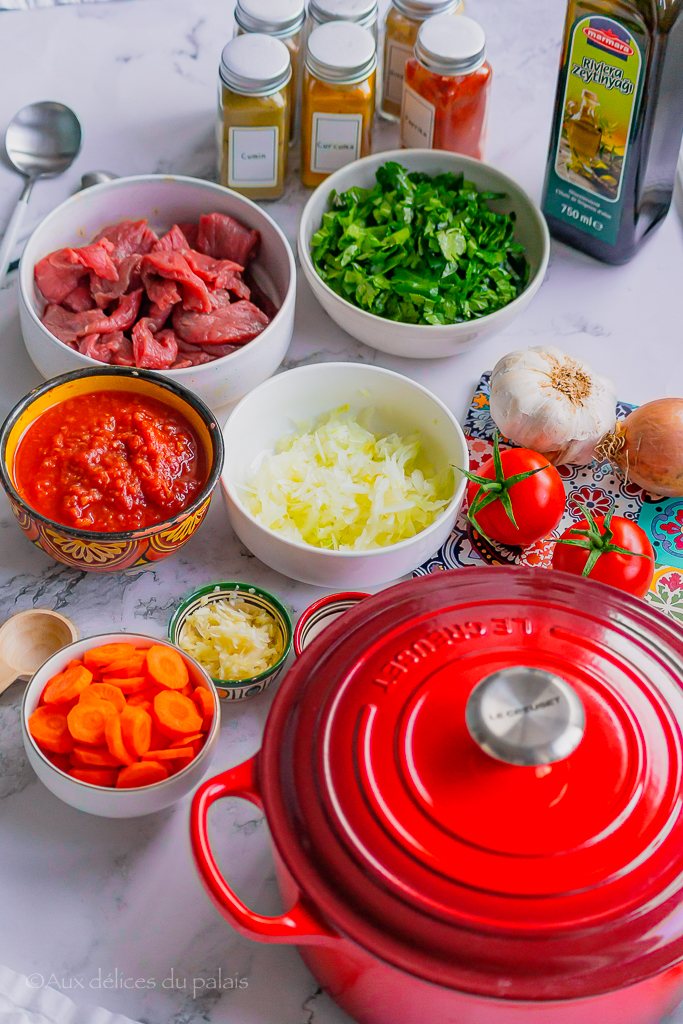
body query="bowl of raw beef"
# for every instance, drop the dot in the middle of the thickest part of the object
(164, 273)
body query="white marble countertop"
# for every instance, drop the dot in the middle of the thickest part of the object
(84, 899)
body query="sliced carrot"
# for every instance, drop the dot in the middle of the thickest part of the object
(169, 754)
(87, 721)
(130, 684)
(104, 691)
(203, 698)
(188, 690)
(96, 776)
(67, 685)
(136, 701)
(104, 655)
(150, 693)
(99, 757)
(114, 737)
(167, 667)
(61, 761)
(50, 729)
(176, 715)
(136, 729)
(187, 739)
(158, 741)
(142, 773)
(179, 764)
(127, 666)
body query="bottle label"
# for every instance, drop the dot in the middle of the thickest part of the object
(602, 91)
(396, 56)
(253, 157)
(417, 120)
(335, 141)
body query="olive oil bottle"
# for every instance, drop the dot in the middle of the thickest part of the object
(617, 125)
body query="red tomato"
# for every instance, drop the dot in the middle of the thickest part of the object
(625, 572)
(537, 502)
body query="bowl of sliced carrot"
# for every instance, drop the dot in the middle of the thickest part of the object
(121, 724)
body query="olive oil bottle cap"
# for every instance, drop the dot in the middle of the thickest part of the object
(273, 17)
(362, 12)
(419, 10)
(255, 65)
(450, 45)
(341, 52)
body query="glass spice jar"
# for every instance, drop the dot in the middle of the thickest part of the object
(283, 19)
(361, 12)
(446, 88)
(401, 26)
(254, 115)
(338, 99)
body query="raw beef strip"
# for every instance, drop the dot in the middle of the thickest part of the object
(226, 239)
(66, 326)
(235, 324)
(190, 231)
(219, 350)
(129, 237)
(173, 239)
(96, 346)
(162, 293)
(58, 274)
(121, 349)
(123, 316)
(153, 352)
(174, 267)
(196, 359)
(210, 269)
(79, 299)
(259, 297)
(104, 291)
(97, 257)
(157, 317)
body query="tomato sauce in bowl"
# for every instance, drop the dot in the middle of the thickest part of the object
(110, 461)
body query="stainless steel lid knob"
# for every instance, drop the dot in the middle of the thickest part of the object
(525, 716)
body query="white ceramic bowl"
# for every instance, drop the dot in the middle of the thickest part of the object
(399, 404)
(426, 341)
(164, 200)
(114, 803)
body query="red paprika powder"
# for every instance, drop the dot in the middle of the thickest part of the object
(446, 87)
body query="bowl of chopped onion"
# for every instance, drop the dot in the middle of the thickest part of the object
(343, 474)
(240, 635)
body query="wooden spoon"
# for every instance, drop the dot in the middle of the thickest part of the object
(28, 639)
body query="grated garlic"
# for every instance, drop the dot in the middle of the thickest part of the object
(231, 638)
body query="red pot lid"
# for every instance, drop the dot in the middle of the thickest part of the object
(477, 776)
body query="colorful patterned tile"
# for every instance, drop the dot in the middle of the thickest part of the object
(596, 486)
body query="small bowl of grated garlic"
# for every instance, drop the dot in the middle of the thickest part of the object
(240, 635)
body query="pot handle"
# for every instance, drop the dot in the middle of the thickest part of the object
(299, 925)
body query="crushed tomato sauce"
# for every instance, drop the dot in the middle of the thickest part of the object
(109, 461)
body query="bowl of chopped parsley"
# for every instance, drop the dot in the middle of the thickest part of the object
(422, 252)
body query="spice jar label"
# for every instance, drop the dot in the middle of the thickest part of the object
(417, 120)
(601, 97)
(396, 55)
(336, 141)
(253, 156)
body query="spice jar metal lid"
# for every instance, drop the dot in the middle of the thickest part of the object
(362, 12)
(255, 65)
(439, 835)
(449, 45)
(341, 51)
(419, 10)
(273, 17)
(321, 614)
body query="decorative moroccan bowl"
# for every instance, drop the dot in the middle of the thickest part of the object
(230, 690)
(97, 551)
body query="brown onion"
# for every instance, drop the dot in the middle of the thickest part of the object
(648, 446)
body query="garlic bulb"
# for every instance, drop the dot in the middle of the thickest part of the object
(548, 401)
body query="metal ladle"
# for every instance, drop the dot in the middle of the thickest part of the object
(41, 141)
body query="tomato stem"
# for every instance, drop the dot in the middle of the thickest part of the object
(594, 540)
(495, 490)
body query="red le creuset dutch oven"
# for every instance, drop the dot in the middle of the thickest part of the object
(473, 784)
